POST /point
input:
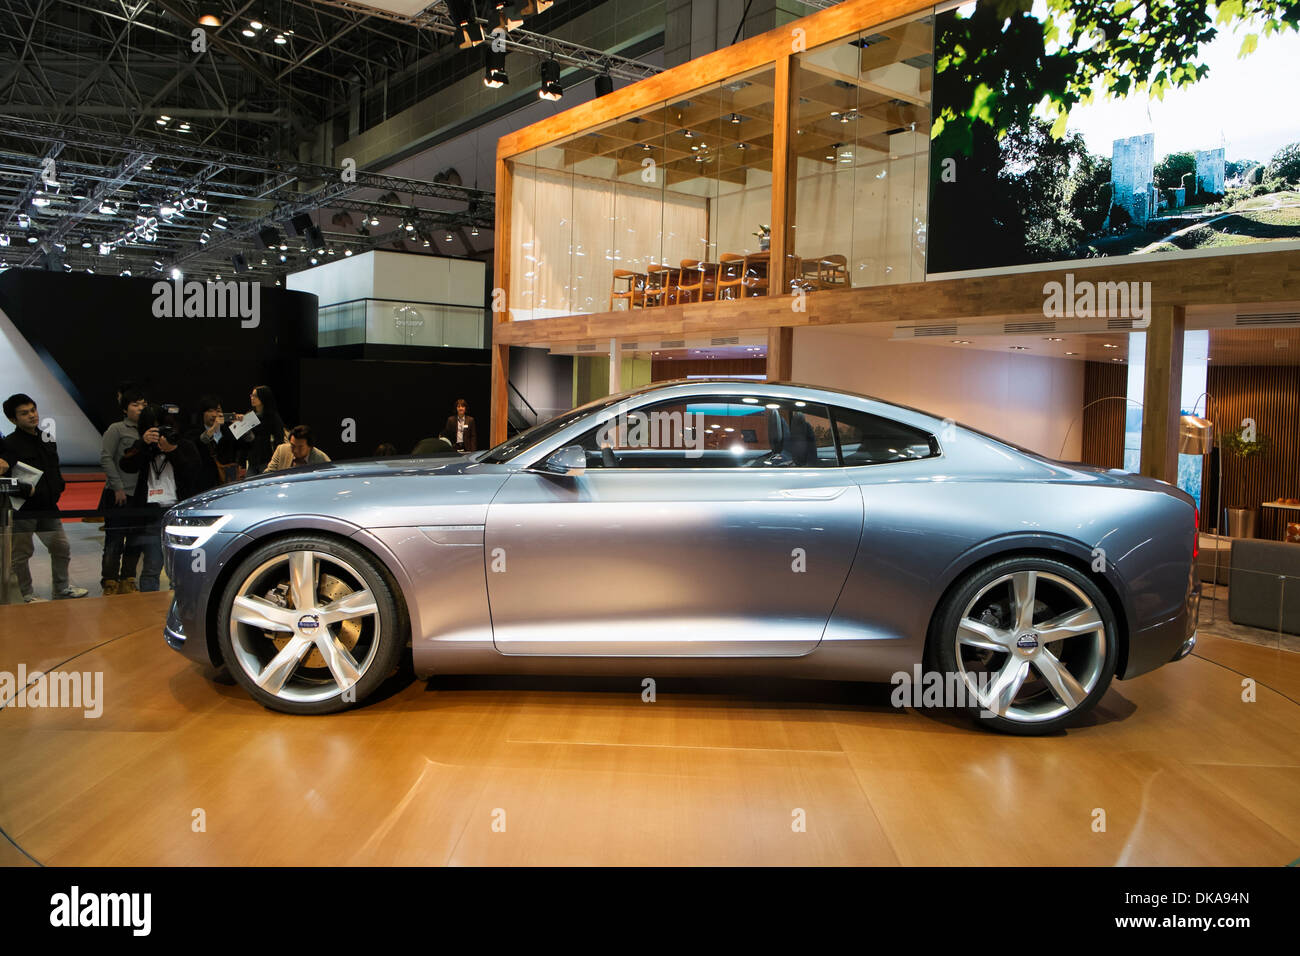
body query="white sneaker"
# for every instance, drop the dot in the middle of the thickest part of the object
(33, 599)
(71, 592)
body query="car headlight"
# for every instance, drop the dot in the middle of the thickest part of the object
(192, 531)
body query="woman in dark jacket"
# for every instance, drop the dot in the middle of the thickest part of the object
(269, 433)
(170, 471)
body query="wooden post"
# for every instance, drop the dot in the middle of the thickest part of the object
(780, 354)
(615, 368)
(499, 306)
(1162, 392)
(784, 177)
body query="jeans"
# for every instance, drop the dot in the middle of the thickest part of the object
(147, 541)
(50, 531)
(121, 555)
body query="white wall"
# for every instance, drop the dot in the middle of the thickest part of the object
(394, 275)
(21, 370)
(1026, 399)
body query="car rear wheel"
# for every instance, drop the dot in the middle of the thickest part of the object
(309, 625)
(1032, 641)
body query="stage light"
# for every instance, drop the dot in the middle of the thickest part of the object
(176, 273)
(494, 68)
(210, 15)
(474, 231)
(604, 84)
(269, 236)
(24, 220)
(347, 252)
(281, 39)
(40, 200)
(85, 242)
(105, 248)
(4, 238)
(468, 28)
(551, 88)
(534, 7)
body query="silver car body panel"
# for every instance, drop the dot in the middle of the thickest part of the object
(505, 569)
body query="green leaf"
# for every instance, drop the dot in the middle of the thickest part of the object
(1229, 10)
(1248, 44)
(1058, 128)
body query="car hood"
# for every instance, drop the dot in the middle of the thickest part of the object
(331, 471)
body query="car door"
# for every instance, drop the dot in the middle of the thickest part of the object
(709, 526)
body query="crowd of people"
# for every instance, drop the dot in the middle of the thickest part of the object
(150, 463)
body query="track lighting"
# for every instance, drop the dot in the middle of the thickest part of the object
(494, 68)
(551, 88)
(604, 84)
(534, 7)
(468, 29)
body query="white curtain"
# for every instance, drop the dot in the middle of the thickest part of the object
(572, 231)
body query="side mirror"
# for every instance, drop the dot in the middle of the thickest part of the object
(570, 461)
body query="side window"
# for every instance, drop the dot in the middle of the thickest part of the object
(715, 432)
(867, 439)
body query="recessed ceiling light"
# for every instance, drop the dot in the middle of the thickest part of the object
(1071, 353)
(961, 341)
(1019, 348)
(1054, 338)
(1107, 345)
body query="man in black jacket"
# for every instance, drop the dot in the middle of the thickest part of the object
(170, 471)
(39, 515)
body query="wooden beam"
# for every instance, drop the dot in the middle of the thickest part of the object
(500, 303)
(835, 23)
(784, 177)
(1162, 395)
(1231, 279)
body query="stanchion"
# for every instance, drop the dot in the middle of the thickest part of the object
(8, 486)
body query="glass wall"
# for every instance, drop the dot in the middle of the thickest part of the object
(393, 322)
(663, 207)
(861, 131)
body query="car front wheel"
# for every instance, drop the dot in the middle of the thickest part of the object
(309, 625)
(1032, 640)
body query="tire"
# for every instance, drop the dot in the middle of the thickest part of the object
(1015, 681)
(328, 655)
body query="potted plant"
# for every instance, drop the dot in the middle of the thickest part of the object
(1242, 519)
(764, 235)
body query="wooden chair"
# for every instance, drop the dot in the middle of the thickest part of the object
(825, 272)
(731, 276)
(660, 287)
(690, 281)
(632, 289)
(755, 273)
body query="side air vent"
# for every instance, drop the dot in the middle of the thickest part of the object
(927, 331)
(1025, 328)
(1119, 324)
(1268, 318)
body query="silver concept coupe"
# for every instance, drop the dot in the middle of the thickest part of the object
(701, 527)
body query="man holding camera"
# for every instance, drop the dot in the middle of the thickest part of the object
(39, 515)
(168, 470)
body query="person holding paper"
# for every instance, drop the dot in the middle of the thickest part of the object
(217, 443)
(35, 463)
(268, 432)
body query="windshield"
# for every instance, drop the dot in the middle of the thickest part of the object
(532, 437)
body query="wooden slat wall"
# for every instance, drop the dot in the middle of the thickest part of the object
(1270, 394)
(1103, 423)
(665, 370)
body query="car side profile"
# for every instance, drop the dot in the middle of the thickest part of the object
(697, 527)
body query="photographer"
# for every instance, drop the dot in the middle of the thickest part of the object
(168, 471)
(217, 446)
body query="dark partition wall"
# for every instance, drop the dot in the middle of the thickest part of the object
(94, 331)
(386, 401)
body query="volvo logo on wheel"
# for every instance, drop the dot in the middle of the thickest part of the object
(1027, 641)
(308, 622)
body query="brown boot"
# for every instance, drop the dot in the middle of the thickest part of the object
(126, 586)
(110, 587)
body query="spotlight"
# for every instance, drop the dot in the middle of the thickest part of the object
(494, 68)
(24, 220)
(270, 237)
(534, 7)
(85, 242)
(255, 23)
(239, 262)
(220, 222)
(31, 240)
(447, 238)
(4, 238)
(551, 88)
(248, 32)
(176, 273)
(604, 84)
(40, 200)
(347, 252)
(474, 231)
(281, 39)
(210, 15)
(469, 29)
(105, 248)
(315, 238)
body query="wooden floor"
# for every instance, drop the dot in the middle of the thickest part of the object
(563, 771)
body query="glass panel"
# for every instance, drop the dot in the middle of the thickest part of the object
(869, 439)
(522, 294)
(861, 129)
(741, 214)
